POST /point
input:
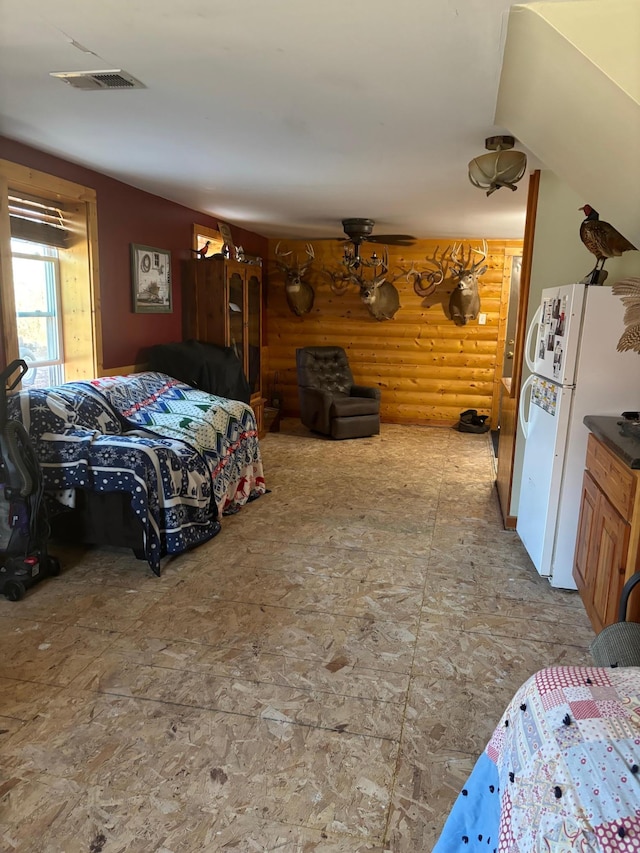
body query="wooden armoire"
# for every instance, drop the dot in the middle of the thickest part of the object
(222, 304)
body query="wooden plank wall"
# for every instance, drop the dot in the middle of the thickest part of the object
(428, 369)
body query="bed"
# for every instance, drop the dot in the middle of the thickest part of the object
(178, 457)
(561, 771)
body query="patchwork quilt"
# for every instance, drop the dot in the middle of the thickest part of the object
(561, 773)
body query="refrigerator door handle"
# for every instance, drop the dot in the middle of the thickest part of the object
(524, 423)
(533, 329)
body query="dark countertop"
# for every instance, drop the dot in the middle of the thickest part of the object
(620, 436)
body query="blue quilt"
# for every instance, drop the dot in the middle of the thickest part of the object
(79, 442)
(473, 825)
(223, 431)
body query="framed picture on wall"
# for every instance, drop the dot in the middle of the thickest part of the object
(151, 280)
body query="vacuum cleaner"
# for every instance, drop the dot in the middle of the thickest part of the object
(24, 525)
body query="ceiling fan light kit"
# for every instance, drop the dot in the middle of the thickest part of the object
(502, 167)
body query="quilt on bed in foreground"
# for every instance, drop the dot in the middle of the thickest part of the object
(184, 456)
(80, 445)
(223, 431)
(561, 773)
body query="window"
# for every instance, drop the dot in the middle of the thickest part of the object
(49, 294)
(202, 234)
(36, 284)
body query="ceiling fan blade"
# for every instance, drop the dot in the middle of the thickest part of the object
(358, 231)
(392, 239)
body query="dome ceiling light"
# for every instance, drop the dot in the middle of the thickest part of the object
(503, 167)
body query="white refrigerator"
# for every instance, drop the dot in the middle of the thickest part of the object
(576, 371)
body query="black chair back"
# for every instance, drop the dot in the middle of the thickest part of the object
(324, 368)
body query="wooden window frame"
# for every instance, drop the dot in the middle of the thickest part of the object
(208, 233)
(79, 268)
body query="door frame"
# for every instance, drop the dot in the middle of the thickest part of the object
(509, 392)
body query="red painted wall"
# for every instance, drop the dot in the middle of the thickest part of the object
(128, 215)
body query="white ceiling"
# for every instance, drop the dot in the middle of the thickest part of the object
(283, 117)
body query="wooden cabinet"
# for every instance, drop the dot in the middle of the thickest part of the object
(607, 546)
(222, 304)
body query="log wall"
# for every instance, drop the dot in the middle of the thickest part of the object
(428, 368)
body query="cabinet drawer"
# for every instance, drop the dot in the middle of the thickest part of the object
(616, 480)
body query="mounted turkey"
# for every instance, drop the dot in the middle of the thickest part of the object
(602, 240)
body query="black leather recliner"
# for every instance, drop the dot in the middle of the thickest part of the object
(330, 402)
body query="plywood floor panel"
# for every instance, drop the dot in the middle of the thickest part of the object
(319, 677)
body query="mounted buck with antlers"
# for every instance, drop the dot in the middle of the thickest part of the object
(300, 294)
(379, 295)
(464, 303)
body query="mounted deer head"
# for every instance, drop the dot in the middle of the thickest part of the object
(464, 303)
(381, 298)
(379, 295)
(300, 294)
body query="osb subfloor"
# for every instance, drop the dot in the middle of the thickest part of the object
(320, 677)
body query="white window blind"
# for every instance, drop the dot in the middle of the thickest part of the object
(38, 221)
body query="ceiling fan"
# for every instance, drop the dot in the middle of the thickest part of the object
(359, 231)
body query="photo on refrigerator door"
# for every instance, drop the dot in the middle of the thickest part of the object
(561, 318)
(545, 395)
(557, 360)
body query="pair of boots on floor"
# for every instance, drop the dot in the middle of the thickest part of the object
(471, 421)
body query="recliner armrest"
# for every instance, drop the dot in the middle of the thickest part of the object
(314, 408)
(364, 391)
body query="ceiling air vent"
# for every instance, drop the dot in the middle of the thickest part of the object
(93, 80)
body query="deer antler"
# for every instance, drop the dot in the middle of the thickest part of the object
(294, 269)
(463, 266)
(340, 280)
(280, 263)
(434, 276)
(355, 273)
(310, 251)
(482, 252)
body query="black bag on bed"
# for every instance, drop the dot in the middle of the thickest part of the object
(211, 368)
